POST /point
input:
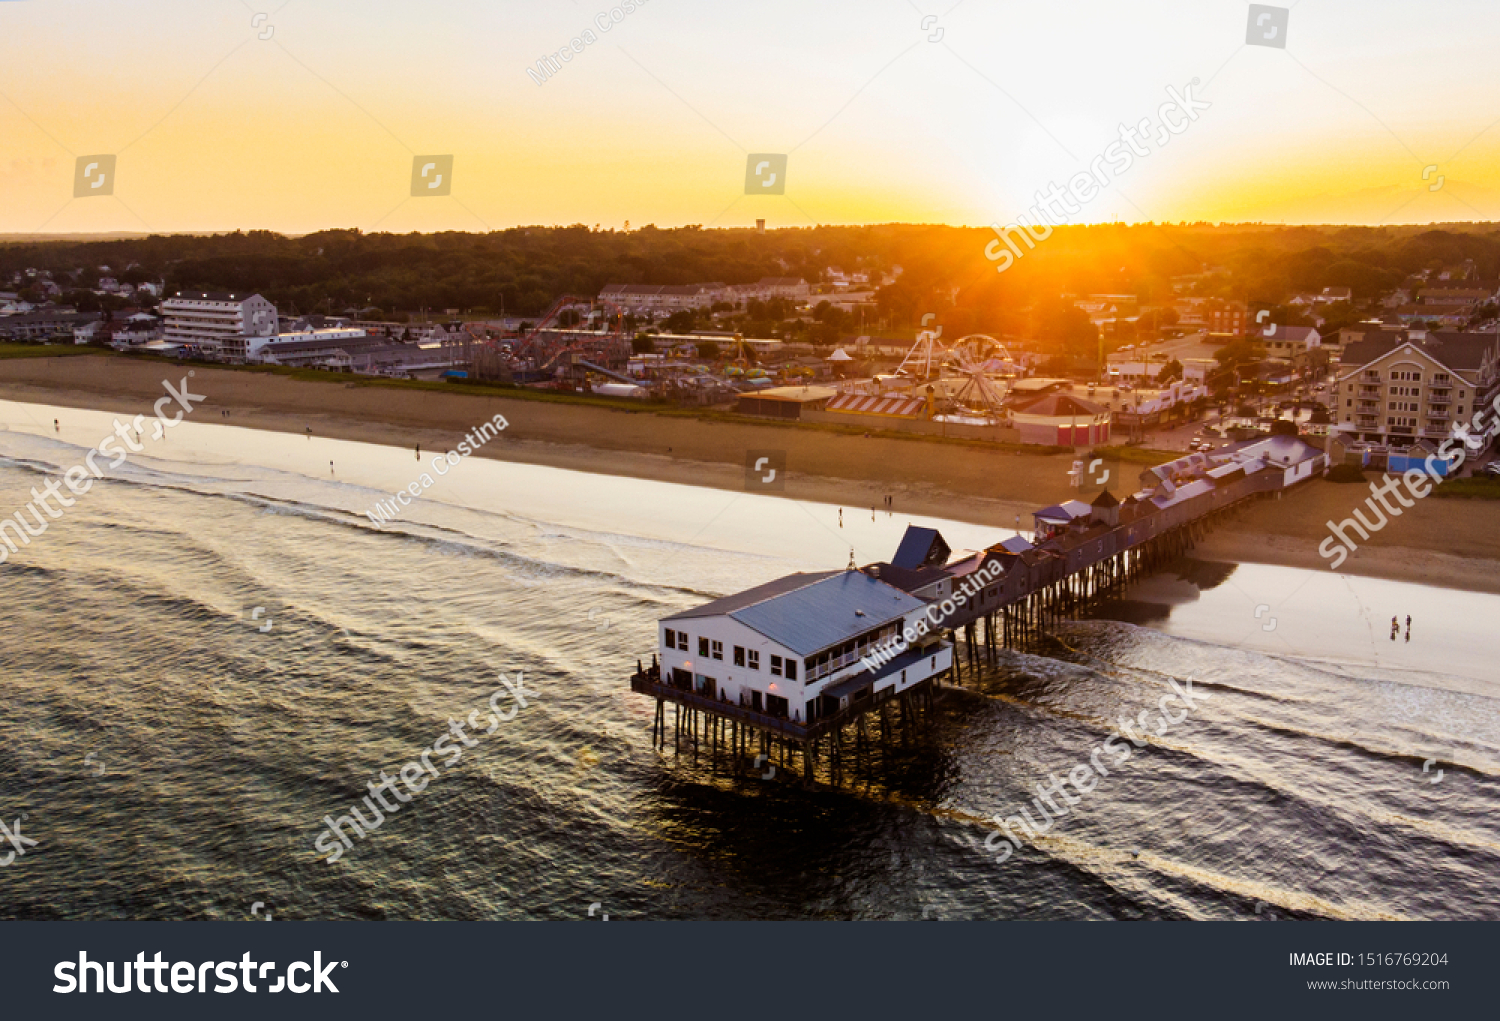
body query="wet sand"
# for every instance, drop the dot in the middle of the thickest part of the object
(1449, 543)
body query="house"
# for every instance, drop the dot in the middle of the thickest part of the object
(792, 648)
(1332, 294)
(1298, 345)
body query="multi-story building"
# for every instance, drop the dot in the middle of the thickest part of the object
(1221, 316)
(1469, 294)
(664, 297)
(1224, 317)
(216, 324)
(1447, 314)
(767, 288)
(672, 297)
(793, 648)
(45, 324)
(1399, 386)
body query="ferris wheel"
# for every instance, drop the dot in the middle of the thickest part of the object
(975, 358)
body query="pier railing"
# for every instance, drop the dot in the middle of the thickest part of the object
(648, 682)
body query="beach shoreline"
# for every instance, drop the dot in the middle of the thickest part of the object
(1443, 542)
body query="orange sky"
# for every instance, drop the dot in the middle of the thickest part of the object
(961, 121)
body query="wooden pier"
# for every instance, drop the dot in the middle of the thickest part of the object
(1061, 578)
(718, 728)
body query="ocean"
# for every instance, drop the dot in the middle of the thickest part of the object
(215, 648)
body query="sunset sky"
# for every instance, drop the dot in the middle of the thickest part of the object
(316, 126)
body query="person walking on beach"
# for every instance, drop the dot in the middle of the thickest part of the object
(841, 517)
(330, 467)
(56, 426)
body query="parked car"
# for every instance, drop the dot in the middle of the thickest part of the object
(1492, 469)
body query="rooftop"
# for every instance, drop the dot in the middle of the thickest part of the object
(809, 612)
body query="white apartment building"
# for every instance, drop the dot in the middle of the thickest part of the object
(1396, 387)
(219, 325)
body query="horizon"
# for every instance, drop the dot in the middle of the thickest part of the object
(304, 116)
(81, 236)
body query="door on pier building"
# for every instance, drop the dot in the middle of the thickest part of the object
(777, 706)
(682, 679)
(755, 702)
(709, 687)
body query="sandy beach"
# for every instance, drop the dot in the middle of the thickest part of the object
(1449, 543)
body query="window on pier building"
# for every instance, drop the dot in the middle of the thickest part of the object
(671, 639)
(717, 650)
(682, 641)
(739, 655)
(776, 666)
(754, 659)
(703, 647)
(791, 669)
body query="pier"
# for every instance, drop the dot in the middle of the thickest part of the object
(882, 642)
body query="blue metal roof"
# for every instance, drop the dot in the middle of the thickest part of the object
(916, 547)
(827, 612)
(760, 593)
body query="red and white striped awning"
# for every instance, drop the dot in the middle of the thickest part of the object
(892, 407)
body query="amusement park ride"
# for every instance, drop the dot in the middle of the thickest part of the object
(960, 375)
(567, 340)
